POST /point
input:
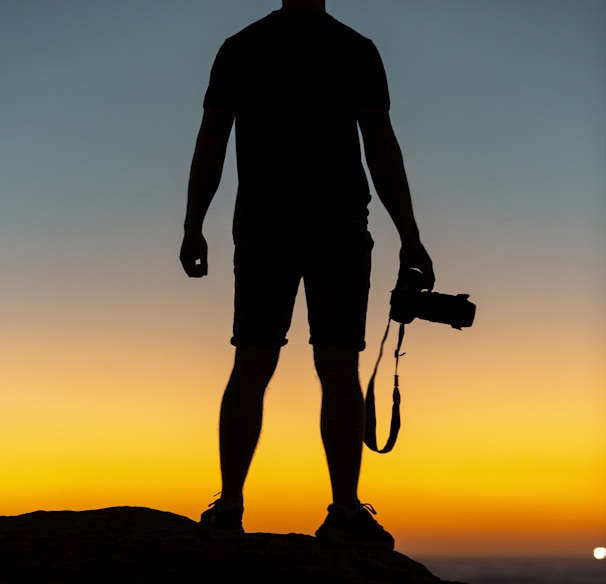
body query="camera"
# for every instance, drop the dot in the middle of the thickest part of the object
(410, 301)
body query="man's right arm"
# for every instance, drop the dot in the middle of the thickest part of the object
(386, 165)
(204, 179)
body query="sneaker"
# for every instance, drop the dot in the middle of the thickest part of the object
(221, 522)
(348, 527)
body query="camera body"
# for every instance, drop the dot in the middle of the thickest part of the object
(410, 301)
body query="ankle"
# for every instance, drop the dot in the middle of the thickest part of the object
(230, 497)
(348, 509)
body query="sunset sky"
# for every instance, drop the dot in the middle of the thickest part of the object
(114, 362)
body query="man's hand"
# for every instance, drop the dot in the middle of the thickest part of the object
(414, 255)
(194, 255)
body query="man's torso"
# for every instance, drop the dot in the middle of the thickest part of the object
(294, 81)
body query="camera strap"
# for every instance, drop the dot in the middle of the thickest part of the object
(370, 434)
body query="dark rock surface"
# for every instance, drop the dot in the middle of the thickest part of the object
(131, 544)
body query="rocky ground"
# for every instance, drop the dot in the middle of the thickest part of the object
(139, 545)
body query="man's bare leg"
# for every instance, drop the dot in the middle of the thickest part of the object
(242, 416)
(342, 420)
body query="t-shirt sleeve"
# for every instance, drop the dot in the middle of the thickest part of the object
(221, 91)
(373, 90)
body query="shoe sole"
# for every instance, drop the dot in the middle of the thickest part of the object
(211, 534)
(335, 536)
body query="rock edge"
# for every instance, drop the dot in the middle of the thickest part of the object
(136, 544)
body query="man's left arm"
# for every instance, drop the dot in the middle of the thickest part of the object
(386, 165)
(204, 179)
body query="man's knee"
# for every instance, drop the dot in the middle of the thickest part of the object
(336, 363)
(255, 365)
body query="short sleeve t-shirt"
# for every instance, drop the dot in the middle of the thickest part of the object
(294, 80)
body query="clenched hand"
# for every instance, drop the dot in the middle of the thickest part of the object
(194, 255)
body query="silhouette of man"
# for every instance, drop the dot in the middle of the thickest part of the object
(299, 84)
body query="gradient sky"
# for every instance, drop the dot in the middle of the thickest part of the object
(113, 362)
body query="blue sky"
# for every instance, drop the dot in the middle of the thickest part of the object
(498, 106)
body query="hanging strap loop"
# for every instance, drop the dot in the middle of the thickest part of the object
(370, 434)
